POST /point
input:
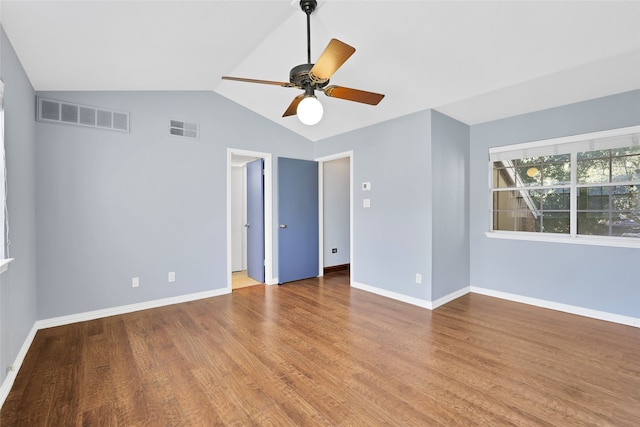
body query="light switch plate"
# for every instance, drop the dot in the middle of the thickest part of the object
(366, 186)
(366, 203)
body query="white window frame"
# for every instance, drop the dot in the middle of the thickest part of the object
(570, 144)
(4, 225)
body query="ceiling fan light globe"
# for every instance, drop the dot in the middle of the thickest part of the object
(310, 110)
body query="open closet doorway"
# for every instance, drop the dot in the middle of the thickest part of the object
(336, 219)
(248, 218)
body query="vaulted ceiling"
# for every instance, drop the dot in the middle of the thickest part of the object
(473, 60)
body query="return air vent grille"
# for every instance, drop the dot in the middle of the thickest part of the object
(52, 111)
(184, 129)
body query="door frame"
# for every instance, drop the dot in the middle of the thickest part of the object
(268, 213)
(321, 161)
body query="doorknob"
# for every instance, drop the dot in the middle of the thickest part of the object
(283, 225)
(246, 225)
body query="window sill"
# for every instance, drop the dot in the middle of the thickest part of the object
(620, 242)
(4, 264)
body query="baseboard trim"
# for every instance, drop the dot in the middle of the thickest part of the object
(17, 363)
(393, 295)
(5, 388)
(450, 297)
(123, 309)
(92, 315)
(566, 308)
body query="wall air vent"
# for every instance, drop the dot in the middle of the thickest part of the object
(184, 129)
(52, 111)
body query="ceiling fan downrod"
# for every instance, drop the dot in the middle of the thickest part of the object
(308, 6)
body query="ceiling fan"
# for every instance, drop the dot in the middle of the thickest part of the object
(311, 77)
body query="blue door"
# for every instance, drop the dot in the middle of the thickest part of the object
(255, 220)
(298, 244)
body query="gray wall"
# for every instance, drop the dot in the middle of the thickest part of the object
(336, 212)
(117, 205)
(593, 277)
(450, 175)
(392, 238)
(18, 284)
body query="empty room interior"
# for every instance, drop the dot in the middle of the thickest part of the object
(203, 226)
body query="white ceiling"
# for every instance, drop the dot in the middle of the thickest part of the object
(473, 60)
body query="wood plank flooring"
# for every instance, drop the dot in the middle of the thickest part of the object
(317, 352)
(240, 279)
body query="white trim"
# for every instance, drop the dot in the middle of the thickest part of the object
(320, 218)
(429, 305)
(564, 140)
(268, 213)
(393, 295)
(566, 308)
(5, 388)
(620, 242)
(92, 315)
(450, 297)
(123, 309)
(4, 264)
(17, 363)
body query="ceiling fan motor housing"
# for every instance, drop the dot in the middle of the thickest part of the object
(300, 77)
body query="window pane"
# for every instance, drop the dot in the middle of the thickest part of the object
(594, 154)
(615, 165)
(593, 171)
(506, 200)
(625, 224)
(556, 173)
(502, 176)
(626, 151)
(556, 199)
(593, 198)
(593, 223)
(554, 222)
(514, 220)
(528, 176)
(626, 197)
(626, 168)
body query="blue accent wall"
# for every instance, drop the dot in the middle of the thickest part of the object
(593, 277)
(18, 285)
(418, 220)
(450, 205)
(392, 238)
(112, 206)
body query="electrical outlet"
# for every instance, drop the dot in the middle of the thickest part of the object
(172, 276)
(135, 282)
(418, 278)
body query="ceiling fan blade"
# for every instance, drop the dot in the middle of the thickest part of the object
(334, 55)
(293, 107)
(356, 95)
(264, 82)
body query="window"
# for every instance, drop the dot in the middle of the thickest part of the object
(583, 188)
(3, 185)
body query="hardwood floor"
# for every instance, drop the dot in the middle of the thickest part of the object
(317, 352)
(240, 279)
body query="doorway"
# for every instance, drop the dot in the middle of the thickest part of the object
(238, 256)
(336, 218)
